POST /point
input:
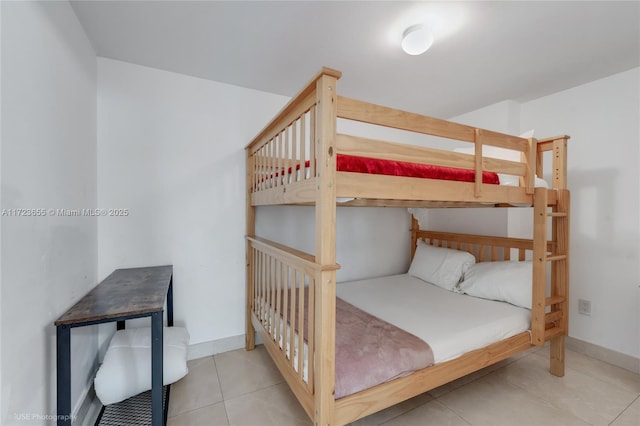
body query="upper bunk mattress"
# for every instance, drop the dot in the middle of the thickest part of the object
(451, 323)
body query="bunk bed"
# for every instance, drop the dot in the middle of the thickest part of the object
(299, 158)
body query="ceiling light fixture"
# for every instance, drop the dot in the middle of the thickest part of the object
(416, 39)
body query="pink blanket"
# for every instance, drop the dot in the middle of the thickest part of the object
(370, 351)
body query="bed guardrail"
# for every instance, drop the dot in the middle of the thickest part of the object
(283, 165)
(284, 152)
(282, 304)
(484, 248)
(365, 112)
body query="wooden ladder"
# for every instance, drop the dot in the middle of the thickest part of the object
(550, 310)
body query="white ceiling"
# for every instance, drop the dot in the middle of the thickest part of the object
(484, 52)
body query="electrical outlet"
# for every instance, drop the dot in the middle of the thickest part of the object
(584, 307)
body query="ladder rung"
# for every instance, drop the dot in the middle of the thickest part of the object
(553, 332)
(557, 214)
(554, 300)
(557, 257)
(553, 316)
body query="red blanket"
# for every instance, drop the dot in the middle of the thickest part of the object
(349, 163)
(376, 166)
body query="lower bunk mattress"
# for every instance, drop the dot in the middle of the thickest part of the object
(451, 323)
(388, 327)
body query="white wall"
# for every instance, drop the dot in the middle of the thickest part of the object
(48, 156)
(1, 386)
(370, 242)
(602, 119)
(171, 151)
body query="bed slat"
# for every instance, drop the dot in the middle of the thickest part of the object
(279, 305)
(303, 143)
(477, 136)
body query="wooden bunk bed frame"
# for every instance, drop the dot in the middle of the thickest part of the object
(293, 161)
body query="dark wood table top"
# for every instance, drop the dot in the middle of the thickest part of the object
(126, 292)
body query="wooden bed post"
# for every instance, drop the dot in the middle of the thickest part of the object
(552, 325)
(558, 146)
(538, 299)
(560, 163)
(325, 322)
(560, 281)
(250, 332)
(560, 270)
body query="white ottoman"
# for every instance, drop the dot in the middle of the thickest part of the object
(126, 370)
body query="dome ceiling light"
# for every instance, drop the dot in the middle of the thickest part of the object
(416, 39)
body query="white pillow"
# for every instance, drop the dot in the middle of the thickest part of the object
(126, 370)
(443, 267)
(507, 281)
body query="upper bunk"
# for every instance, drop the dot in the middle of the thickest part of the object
(301, 158)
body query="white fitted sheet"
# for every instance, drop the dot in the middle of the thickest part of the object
(451, 323)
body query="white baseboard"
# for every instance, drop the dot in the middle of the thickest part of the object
(619, 359)
(201, 350)
(85, 401)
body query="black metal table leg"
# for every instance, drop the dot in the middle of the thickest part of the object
(63, 367)
(170, 303)
(156, 369)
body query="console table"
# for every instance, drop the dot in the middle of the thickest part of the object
(125, 294)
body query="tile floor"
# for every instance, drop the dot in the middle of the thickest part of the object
(245, 388)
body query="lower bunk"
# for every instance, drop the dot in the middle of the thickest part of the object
(399, 336)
